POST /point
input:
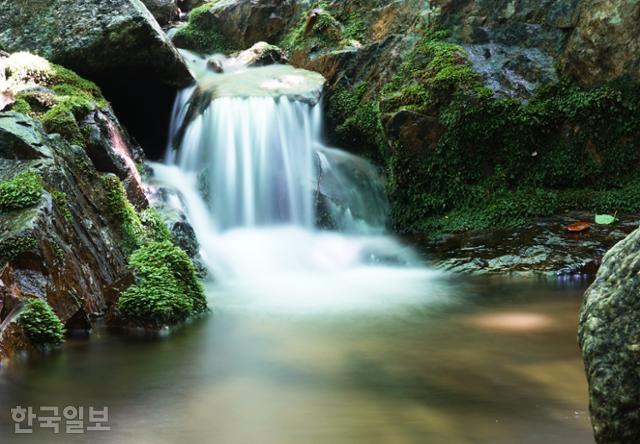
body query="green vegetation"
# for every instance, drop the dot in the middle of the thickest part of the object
(325, 33)
(360, 125)
(63, 110)
(496, 162)
(15, 246)
(24, 190)
(40, 324)
(133, 232)
(167, 288)
(61, 201)
(200, 33)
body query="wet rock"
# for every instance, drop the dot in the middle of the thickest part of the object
(164, 11)
(215, 65)
(609, 336)
(246, 22)
(95, 38)
(262, 54)
(543, 248)
(605, 44)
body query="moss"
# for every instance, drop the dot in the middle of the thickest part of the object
(359, 119)
(24, 190)
(125, 214)
(61, 112)
(199, 34)
(500, 162)
(13, 247)
(40, 324)
(61, 202)
(167, 288)
(65, 116)
(326, 32)
(155, 228)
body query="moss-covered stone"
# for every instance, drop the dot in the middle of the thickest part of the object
(200, 34)
(61, 202)
(167, 288)
(497, 162)
(64, 103)
(40, 324)
(24, 190)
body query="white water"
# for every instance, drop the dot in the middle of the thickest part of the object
(252, 173)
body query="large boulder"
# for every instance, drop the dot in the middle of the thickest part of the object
(605, 43)
(92, 37)
(610, 340)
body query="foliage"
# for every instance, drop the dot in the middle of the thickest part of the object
(155, 228)
(499, 162)
(167, 288)
(359, 118)
(40, 324)
(24, 190)
(61, 201)
(15, 246)
(123, 211)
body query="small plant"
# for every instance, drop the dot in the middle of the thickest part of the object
(167, 288)
(15, 246)
(40, 324)
(61, 201)
(24, 190)
(124, 212)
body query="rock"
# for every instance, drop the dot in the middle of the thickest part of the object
(245, 22)
(605, 43)
(262, 54)
(215, 65)
(96, 38)
(164, 11)
(609, 335)
(543, 248)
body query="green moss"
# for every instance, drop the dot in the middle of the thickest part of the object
(15, 246)
(359, 119)
(167, 288)
(155, 228)
(125, 214)
(24, 190)
(61, 202)
(21, 106)
(40, 324)
(499, 162)
(199, 34)
(61, 111)
(326, 33)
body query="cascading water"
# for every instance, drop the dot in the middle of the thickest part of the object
(281, 218)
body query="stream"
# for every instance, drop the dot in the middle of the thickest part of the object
(495, 362)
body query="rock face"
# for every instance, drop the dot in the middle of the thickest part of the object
(105, 38)
(66, 248)
(605, 44)
(164, 11)
(610, 341)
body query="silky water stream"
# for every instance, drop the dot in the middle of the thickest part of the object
(324, 329)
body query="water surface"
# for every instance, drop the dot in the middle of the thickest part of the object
(493, 362)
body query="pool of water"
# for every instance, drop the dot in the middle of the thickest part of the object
(495, 361)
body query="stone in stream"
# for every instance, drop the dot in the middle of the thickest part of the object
(610, 340)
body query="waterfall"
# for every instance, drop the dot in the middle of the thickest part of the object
(276, 211)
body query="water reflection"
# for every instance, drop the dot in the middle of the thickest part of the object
(499, 365)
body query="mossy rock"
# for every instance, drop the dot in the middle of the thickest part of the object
(40, 323)
(23, 191)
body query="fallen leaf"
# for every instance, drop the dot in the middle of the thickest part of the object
(605, 219)
(578, 227)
